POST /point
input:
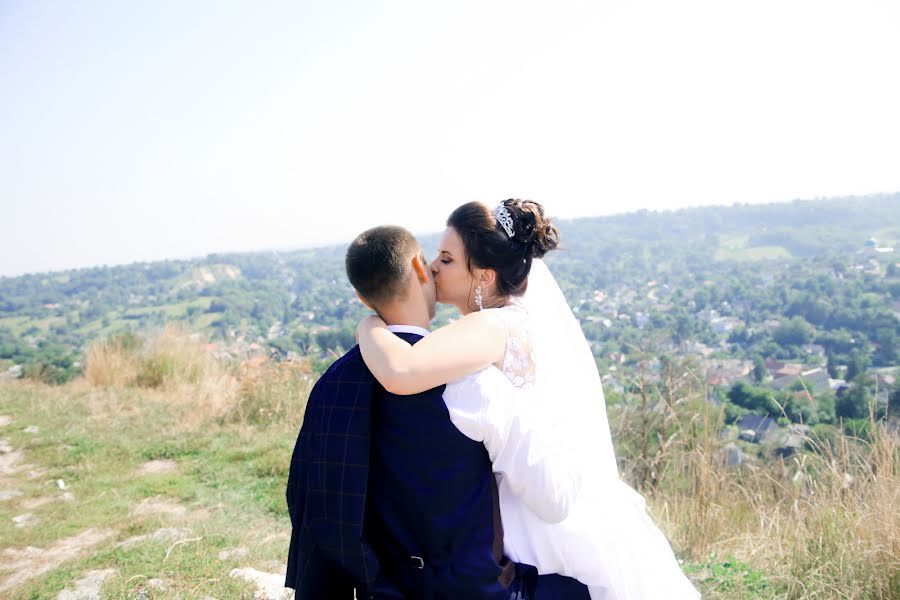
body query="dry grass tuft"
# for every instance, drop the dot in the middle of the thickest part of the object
(170, 357)
(270, 392)
(175, 357)
(824, 523)
(113, 361)
(177, 366)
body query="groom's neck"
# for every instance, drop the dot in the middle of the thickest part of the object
(406, 314)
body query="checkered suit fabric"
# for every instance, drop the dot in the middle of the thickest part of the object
(326, 491)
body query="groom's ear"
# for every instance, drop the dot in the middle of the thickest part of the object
(420, 268)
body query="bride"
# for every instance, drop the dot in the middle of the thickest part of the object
(515, 317)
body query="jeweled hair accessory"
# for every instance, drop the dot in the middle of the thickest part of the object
(505, 219)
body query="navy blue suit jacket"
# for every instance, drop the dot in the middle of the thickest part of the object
(378, 479)
(326, 489)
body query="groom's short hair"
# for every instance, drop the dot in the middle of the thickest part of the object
(378, 263)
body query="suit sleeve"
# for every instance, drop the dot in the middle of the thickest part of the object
(295, 495)
(486, 408)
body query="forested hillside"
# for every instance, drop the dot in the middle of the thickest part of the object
(809, 281)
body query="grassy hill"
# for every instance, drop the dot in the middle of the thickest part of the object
(171, 485)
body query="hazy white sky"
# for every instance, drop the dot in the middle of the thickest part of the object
(145, 130)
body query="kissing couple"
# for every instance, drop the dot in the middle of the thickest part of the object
(474, 461)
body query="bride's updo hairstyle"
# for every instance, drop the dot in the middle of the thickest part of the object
(489, 246)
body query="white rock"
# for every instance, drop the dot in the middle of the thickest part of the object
(269, 586)
(88, 587)
(61, 484)
(157, 584)
(24, 520)
(8, 494)
(31, 429)
(229, 553)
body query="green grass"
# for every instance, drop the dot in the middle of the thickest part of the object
(17, 325)
(230, 480)
(735, 248)
(889, 236)
(173, 310)
(118, 319)
(725, 577)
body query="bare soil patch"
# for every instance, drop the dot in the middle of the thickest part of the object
(159, 506)
(9, 494)
(155, 467)
(164, 534)
(33, 503)
(30, 562)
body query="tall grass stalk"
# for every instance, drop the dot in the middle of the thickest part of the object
(824, 523)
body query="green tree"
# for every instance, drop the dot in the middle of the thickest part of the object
(825, 408)
(799, 409)
(854, 402)
(893, 407)
(759, 369)
(757, 400)
(795, 332)
(830, 365)
(856, 365)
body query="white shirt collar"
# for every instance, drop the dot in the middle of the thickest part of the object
(414, 329)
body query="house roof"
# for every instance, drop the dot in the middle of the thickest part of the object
(757, 423)
(787, 371)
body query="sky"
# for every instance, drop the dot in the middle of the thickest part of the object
(137, 131)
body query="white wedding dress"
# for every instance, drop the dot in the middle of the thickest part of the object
(606, 540)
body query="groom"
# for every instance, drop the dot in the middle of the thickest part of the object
(386, 496)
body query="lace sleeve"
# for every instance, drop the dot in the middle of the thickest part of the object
(518, 362)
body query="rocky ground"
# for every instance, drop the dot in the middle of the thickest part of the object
(97, 507)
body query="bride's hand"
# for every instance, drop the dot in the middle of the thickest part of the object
(368, 324)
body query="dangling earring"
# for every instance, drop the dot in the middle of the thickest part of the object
(478, 299)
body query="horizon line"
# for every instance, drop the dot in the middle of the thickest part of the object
(336, 242)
